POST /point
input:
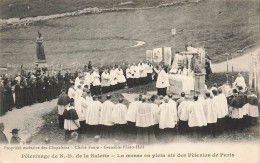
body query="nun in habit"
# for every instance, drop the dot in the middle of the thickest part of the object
(144, 123)
(162, 81)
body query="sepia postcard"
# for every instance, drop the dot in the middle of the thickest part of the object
(129, 81)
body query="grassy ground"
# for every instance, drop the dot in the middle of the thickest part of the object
(19, 9)
(50, 128)
(219, 26)
(221, 78)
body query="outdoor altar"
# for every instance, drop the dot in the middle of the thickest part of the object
(187, 73)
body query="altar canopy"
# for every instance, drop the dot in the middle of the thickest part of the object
(181, 83)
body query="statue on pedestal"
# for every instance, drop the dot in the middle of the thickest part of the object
(40, 48)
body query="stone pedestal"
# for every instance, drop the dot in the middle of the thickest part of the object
(200, 82)
(41, 64)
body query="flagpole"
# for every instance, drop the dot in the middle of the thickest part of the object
(227, 67)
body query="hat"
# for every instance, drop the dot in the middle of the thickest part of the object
(71, 100)
(15, 131)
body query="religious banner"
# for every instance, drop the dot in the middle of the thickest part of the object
(157, 55)
(149, 55)
(167, 55)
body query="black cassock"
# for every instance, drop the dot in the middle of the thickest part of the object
(2, 101)
(9, 98)
(18, 96)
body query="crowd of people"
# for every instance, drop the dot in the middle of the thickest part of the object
(147, 120)
(82, 112)
(39, 86)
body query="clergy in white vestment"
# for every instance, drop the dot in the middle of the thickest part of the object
(168, 119)
(156, 117)
(213, 88)
(106, 118)
(220, 111)
(240, 82)
(87, 79)
(211, 115)
(142, 72)
(96, 82)
(252, 107)
(129, 77)
(78, 94)
(93, 116)
(144, 123)
(197, 118)
(105, 81)
(162, 81)
(77, 82)
(118, 118)
(82, 106)
(131, 118)
(180, 100)
(224, 106)
(174, 105)
(121, 78)
(71, 91)
(136, 72)
(149, 70)
(183, 116)
(113, 79)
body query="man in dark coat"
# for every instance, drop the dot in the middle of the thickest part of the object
(15, 139)
(3, 139)
(9, 96)
(18, 95)
(40, 89)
